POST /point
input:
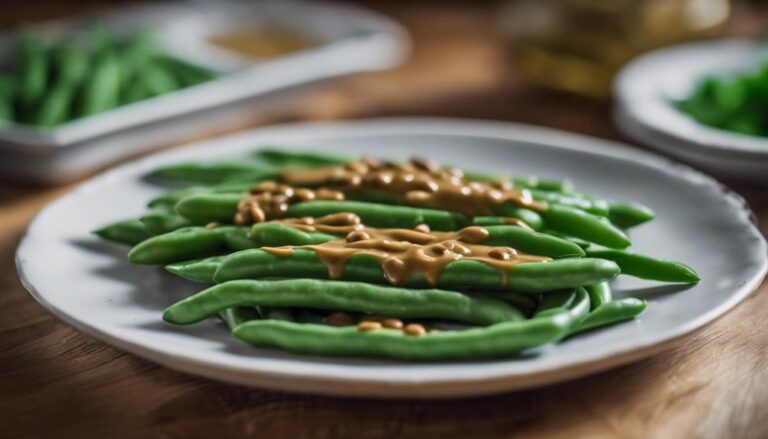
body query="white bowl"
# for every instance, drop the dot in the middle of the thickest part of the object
(647, 88)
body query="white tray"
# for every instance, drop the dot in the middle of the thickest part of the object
(351, 39)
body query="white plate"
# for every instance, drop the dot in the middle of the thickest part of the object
(647, 88)
(89, 284)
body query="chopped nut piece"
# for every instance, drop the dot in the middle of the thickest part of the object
(304, 195)
(423, 228)
(357, 167)
(358, 236)
(425, 164)
(392, 323)
(502, 253)
(414, 329)
(367, 325)
(438, 249)
(417, 196)
(257, 214)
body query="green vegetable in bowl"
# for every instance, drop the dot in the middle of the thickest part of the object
(56, 80)
(737, 103)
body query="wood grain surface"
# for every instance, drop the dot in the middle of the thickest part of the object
(55, 382)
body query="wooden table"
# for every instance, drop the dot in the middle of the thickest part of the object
(57, 382)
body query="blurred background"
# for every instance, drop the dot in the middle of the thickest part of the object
(546, 62)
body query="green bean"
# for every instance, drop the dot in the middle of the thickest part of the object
(160, 221)
(526, 303)
(136, 54)
(275, 235)
(169, 199)
(215, 172)
(595, 207)
(134, 91)
(55, 108)
(157, 80)
(190, 242)
(238, 239)
(71, 63)
(646, 267)
(598, 294)
(33, 67)
(197, 270)
(497, 340)
(297, 159)
(206, 208)
(531, 242)
(611, 312)
(379, 215)
(182, 244)
(483, 176)
(136, 62)
(102, 90)
(528, 216)
(580, 242)
(7, 95)
(555, 302)
(461, 274)
(234, 317)
(129, 232)
(628, 215)
(344, 296)
(584, 225)
(484, 221)
(564, 186)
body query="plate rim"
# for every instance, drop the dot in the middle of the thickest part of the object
(477, 384)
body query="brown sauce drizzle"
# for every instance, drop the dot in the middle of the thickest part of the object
(402, 253)
(419, 183)
(270, 200)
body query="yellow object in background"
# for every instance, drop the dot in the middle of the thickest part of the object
(262, 43)
(579, 45)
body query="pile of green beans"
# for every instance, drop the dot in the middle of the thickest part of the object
(473, 310)
(55, 80)
(731, 102)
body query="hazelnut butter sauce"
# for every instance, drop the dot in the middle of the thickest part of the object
(402, 253)
(419, 183)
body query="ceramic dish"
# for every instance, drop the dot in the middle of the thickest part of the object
(90, 285)
(647, 88)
